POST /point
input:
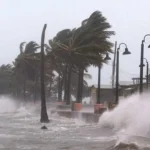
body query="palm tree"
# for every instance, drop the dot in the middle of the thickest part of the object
(6, 81)
(84, 46)
(25, 64)
(95, 43)
(53, 64)
(44, 116)
(60, 59)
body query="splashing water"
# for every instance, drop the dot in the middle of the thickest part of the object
(7, 105)
(130, 119)
(126, 127)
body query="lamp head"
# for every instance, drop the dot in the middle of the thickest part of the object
(107, 57)
(143, 65)
(126, 52)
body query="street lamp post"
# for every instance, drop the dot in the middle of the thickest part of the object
(141, 64)
(99, 79)
(147, 67)
(126, 52)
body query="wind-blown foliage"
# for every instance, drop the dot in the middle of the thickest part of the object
(83, 46)
(25, 65)
(5, 78)
(68, 54)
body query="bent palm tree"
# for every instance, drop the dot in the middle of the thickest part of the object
(84, 46)
(24, 64)
(44, 116)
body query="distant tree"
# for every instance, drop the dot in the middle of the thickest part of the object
(6, 72)
(25, 65)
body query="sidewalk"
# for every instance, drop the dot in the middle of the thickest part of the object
(87, 114)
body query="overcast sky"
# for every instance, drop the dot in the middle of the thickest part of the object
(23, 20)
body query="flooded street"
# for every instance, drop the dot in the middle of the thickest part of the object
(20, 129)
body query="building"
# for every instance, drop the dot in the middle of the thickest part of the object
(107, 93)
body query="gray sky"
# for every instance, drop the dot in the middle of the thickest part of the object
(22, 20)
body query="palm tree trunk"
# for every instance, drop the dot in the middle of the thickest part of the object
(78, 89)
(18, 81)
(44, 116)
(81, 93)
(68, 85)
(65, 83)
(80, 86)
(50, 88)
(35, 87)
(59, 89)
(24, 88)
(17, 86)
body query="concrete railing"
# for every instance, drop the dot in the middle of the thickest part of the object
(84, 116)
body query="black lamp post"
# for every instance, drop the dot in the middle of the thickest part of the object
(99, 78)
(141, 64)
(126, 52)
(147, 67)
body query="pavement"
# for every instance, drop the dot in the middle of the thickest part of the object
(86, 115)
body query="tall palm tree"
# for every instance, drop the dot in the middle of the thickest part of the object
(44, 116)
(60, 59)
(84, 46)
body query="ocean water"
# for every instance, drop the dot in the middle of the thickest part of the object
(127, 127)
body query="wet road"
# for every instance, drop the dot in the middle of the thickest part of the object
(20, 130)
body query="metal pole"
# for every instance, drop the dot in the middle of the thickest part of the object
(141, 67)
(114, 66)
(117, 77)
(147, 75)
(99, 80)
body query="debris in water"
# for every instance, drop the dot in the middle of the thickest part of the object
(44, 128)
(125, 145)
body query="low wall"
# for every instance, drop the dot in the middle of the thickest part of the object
(85, 116)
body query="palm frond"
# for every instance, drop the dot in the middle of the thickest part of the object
(31, 47)
(21, 47)
(87, 76)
